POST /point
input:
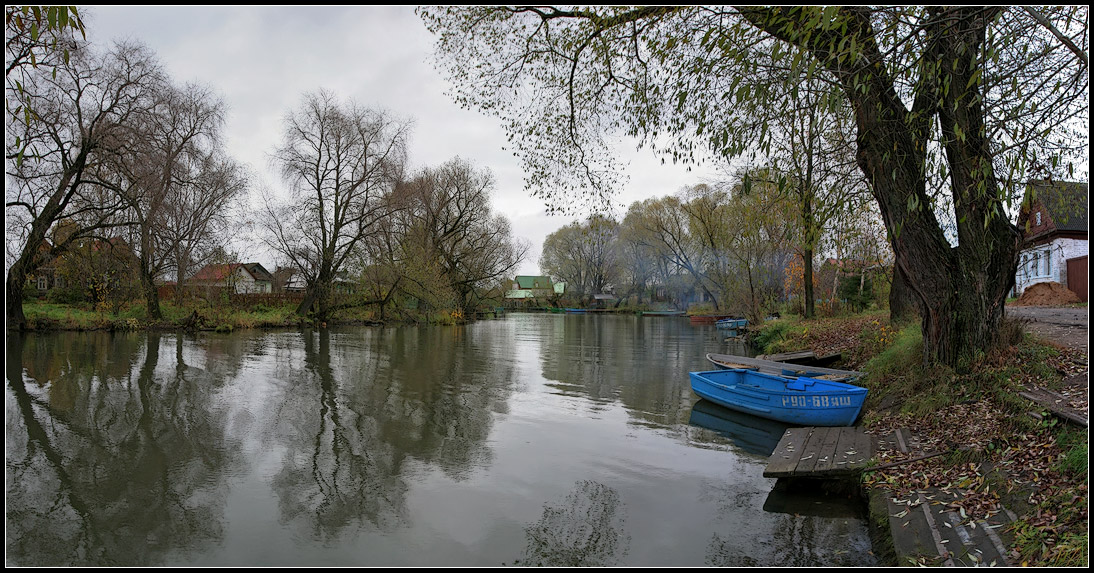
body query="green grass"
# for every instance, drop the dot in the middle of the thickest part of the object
(50, 316)
(1067, 550)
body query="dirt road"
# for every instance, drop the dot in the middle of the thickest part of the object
(1066, 325)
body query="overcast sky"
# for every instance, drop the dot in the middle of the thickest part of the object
(261, 60)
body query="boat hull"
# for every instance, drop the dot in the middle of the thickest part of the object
(800, 401)
(732, 323)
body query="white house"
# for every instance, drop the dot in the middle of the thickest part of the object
(1054, 227)
(240, 277)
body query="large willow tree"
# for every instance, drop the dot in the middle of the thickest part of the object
(954, 109)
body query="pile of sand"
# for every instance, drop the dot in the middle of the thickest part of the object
(1047, 294)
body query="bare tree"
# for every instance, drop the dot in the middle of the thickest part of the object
(60, 155)
(340, 162)
(454, 231)
(176, 181)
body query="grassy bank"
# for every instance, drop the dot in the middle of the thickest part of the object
(44, 316)
(996, 452)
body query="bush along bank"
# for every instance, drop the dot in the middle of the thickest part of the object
(989, 456)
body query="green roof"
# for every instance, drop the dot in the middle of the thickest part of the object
(530, 282)
(519, 294)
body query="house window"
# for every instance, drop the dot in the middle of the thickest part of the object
(59, 282)
(1039, 264)
(1037, 216)
(43, 283)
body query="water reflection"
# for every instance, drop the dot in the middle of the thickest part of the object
(337, 472)
(587, 530)
(362, 404)
(642, 363)
(104, 466)
(755, 435)
(390, 446)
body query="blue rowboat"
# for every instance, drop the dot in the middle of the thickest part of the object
(732, 323)
(797, 400)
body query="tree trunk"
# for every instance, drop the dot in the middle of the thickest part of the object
(901, 303)
(13, 298)
(151, 295)
(807, 278)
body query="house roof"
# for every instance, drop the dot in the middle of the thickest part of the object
(213, 272)
(1065, 203)
(219, 272)
(519, 294)
(530, 282)
(258, 272)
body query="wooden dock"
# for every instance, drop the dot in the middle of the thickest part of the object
(820, 453)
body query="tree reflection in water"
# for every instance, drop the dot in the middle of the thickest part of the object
(587, 530)
(336, 474)
(101, 469)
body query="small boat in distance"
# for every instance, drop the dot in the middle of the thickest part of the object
(797, 400)
(706, 318)
(732, 323)
(653, 313)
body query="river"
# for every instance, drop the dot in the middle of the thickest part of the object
(530, 440)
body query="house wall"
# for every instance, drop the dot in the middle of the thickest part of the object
(244, 282)
(1033, 270)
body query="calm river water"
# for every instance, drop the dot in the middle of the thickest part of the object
(535, 439)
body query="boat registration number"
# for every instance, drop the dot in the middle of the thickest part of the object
(816, 401)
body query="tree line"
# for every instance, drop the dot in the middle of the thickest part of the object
(104, 148)
(740, 247)
(948, 112)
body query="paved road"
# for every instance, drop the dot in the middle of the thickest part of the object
(1064, 325)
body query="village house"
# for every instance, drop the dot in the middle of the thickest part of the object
(288, 279)
(238, 277)
(533, 289)
(1054, 226)
(85, 262)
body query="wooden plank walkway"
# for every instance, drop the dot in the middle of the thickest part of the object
(926, 530)
(820, 452)
(1055, 403)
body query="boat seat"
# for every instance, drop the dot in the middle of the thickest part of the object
(800, 384)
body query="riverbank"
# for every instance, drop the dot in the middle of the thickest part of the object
(999, 450)
(45, 316)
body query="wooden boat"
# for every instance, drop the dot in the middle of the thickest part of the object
(654, 313)
(782, 368)
(732, 323)
(804, 357)
(707, 318)
(796, 400)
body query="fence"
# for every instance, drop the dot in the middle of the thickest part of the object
(221, 295)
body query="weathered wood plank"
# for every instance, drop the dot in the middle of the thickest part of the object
(820, 452)
(832, 451)
(822, 444)
(788, 356)
(1055, 403)
(786, 455)
(854, 450)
